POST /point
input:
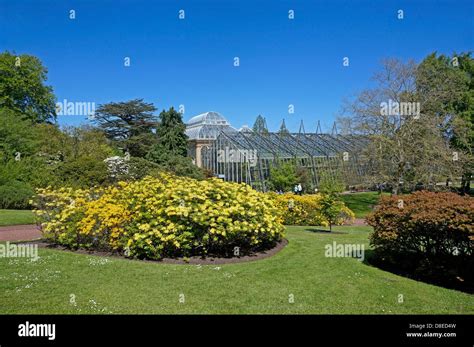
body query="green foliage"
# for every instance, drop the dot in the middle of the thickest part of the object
(48, 156)
(74, 156)
(171, 150)
(22, 87)
(129, 124)
(181, 166)
(303, 176)
(17, 135)
(283, 177)
(332, 209)
(172, 139)
(82, 171)
(140, 167)
(330, 183)
(15, 195)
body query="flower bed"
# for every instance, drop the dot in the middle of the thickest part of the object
(161, 217)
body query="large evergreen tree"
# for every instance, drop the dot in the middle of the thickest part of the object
(172, 140)
(130, 124)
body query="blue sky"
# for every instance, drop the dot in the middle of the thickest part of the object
(190, 62)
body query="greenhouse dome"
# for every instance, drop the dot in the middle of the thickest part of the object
(206, 126)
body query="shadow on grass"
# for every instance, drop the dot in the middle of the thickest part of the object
(323, 231)
(450, 279)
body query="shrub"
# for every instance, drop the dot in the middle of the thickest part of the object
(429, 234)
(308, 209)
(15, 195)
(161, 217)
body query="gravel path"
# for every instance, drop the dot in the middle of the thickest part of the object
(19, 233)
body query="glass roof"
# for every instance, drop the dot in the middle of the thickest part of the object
(206, 126)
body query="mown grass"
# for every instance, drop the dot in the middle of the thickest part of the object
(15, 217)
(318, 284)
(361, 203)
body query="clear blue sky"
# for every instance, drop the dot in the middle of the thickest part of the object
(190, 61)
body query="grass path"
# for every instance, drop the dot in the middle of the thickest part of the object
(317, 284)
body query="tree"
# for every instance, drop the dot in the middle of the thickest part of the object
(172, 139)
(283, 177)
(22, 88)
(449, 81)
(331, 209)
(73, 156)
(405, 123)
(283, 130)
(17, 139)
(130, 124)
(260, 125)
(303, 176)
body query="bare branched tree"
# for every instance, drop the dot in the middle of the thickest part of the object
(407, 127)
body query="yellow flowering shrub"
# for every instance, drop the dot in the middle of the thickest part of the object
(163, 216)
(307, 209)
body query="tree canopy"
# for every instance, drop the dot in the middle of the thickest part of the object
(23, 89)
(130, 124)
(410, 137)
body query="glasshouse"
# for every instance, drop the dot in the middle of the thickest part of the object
(247, 155)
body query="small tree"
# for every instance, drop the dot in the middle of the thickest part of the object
(331, 209)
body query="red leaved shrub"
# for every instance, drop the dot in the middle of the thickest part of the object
(426, 233)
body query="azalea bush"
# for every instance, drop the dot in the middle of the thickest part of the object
(310, 209)
(161, 217)
(426, 233)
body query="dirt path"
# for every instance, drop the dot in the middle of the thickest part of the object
(19, 233)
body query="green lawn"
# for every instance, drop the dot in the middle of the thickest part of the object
(301, 271)
(361, 203)
(14, 217)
